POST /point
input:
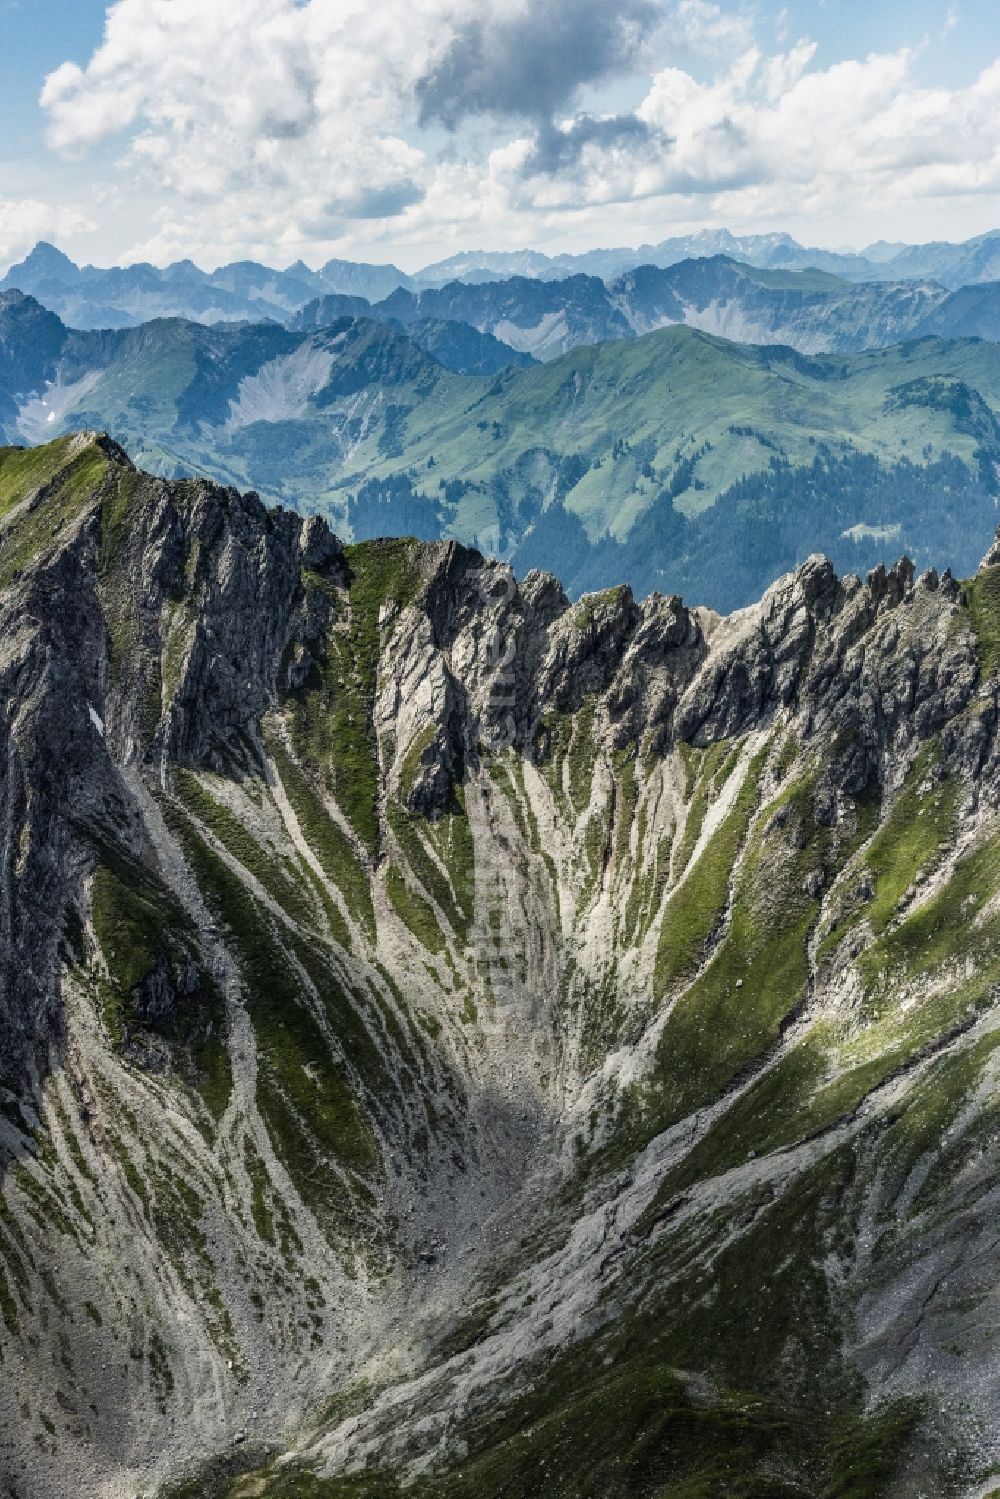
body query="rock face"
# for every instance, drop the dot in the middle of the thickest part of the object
(455, 1037)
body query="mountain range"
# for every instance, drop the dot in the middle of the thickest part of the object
(123, 296)
(461, 1043)
(953, 265)
(811, 311)
(480, 326)
(676, 460)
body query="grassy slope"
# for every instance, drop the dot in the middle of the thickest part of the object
(674, 390)
(624, 413)
(68, 475)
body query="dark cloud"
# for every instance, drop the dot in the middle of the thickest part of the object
(557, 148)
(297, 113)
(531, 64)
(331, 219)
(386, 202)
(380, 203)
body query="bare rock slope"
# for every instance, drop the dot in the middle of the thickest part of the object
(458, 1041)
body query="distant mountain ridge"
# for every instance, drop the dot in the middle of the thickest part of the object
(676, 460)
(454, 346)
(123, 296)
(814, 312)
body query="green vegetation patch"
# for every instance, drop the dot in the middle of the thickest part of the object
(23, 470)
(911, 837)
(413, 758)
(922, 1131)
(827, 1076)
(758, 974)
(260, 1185)
(331, 717)
(707, 772)
(288, 886)
(117, 506)
(906, 845)
(71, 481)
(694, 911)
(982, 594)
(331, 845)
(627, 793)
(568, 756)
(943, 927)
(449, 879)
(414, 912)
(142, 930)
(304, 1092)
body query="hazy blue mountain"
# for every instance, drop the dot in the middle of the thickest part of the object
(124, 296)
(492, 265)
(812, 311)
(457, 345)
(675, 459)
(543, 318)
(320, 312)
(974, 261)
(358, 279)
(193, 396)
(953, 265)
(768, 251)
(473, 265)
(464, 349)
(970, 312)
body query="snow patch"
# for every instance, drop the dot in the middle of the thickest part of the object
(861, 532)
(96, 719)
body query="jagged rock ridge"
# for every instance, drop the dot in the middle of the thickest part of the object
(456, 1036)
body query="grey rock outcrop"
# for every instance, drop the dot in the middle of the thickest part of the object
(398, 958)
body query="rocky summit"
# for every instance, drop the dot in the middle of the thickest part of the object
(458, 1042)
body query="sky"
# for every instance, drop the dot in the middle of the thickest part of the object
(409, 130)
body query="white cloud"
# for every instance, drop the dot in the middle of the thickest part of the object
(24, 221)
(700, 26)
(283, 120)
(270, 101)
(283, 127)
(768, 135)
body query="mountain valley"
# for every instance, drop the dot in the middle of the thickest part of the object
(457, 1038)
